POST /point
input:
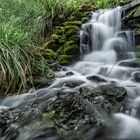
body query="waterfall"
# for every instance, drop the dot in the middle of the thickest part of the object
(103, 33)
(107, 53)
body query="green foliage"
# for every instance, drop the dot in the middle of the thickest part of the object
(21, 31)
(102, 3)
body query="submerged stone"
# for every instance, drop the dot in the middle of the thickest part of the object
(136, 76)
(130, 63)
(46, 133)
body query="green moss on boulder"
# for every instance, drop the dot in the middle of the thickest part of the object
(58, 38)
(70, 23)
(70, 31)
(138, 48)
(69, 48)
(65, 59)
(65, 39)
(87, 7)
(58, 30)
(49, 54)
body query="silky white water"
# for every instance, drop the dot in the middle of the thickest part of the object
(103, 46)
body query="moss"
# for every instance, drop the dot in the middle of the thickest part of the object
(65, 38)
(138, 55)
(58, 30)
(70, 31)
(69, 48)
(70, 23)
(48, 116)
(138, 48)
(134, 12)
(76, 39)
(85, 19)
(49, 54)
(58, 38)
(87, 7)
(65, 59)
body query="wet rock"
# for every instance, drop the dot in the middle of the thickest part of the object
(135, 63)
(128, 37)
(65, 59)
(137, 40)
(56, 66)
(86, 38)
(74, 109)
(70, 73)
(69, 48)
(136, 76)
(49, 133)
(96, 78)
(73, 84)
(119, 93)
(7, 117)
(103, 71)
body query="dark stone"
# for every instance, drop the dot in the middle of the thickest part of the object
(76, 109)
(96, 78)
(132, 4)
(56, 66)
(114, 91)
(103, 71)
(73, 84)
(86, 38)
(126, 36)
(46, 133)
(130, 63)
(137, 38)
(136, 76)
(70, 73)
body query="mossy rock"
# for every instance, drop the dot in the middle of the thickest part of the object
(134, 12)
(85, 19)
(77, 16)
(70, 23)
(138, 55)
(76, 39)
(87, 7)
(58, 38)
(70, 31)
(58, 30)
(65, 59)
(138, 48)
(49, 54)
(69, 48)
(135, 63)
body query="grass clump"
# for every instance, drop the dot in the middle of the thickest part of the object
(23, 28)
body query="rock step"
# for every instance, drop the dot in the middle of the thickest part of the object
(128, 18)
(131, 5)
(137, 38)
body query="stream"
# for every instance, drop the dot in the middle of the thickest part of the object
(103, 88)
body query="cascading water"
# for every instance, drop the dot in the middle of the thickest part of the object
(104, 49)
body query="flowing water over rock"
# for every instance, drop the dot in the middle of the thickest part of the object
(98, 96)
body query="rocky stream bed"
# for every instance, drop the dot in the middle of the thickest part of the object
(96, 98)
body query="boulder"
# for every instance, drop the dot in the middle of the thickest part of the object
(46, 133)
(135, 63)
(136, 76)
(96, 78)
